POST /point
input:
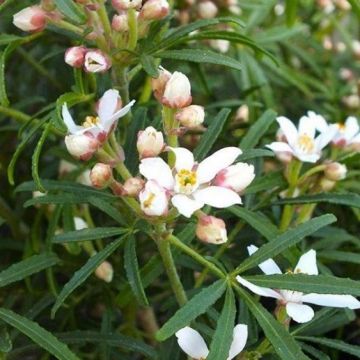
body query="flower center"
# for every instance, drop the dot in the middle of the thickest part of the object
(90, 121)
(186, 181)
(306, 143)
(147, 203)
(341, 127)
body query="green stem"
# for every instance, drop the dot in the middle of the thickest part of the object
(133, 30)
(104, 19)
(68, 26)
(170, 125)
(123, 171)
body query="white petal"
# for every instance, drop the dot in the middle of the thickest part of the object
(108, 104)
(268, 267)
(319, 121)
(240, 336)
(325, 137)
(341, 301)
(192, 343)
(217, 196)
(299, 312)
(157, 169)
(69, 122)
(221, 159)
(288, 129)
(351, 127)
(306, 126)
(258, 289)
(80, 223)
(311, 158)
(307, 264)
(122, 112)
(184, 158)
(185, 205)
(279, 147)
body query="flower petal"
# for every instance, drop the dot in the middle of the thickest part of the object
(325, 137)
(319, 121)
(268, 267)
(217, 196)
(122, 112)
(192, 343)
(108, 104)
(258, 289)
(299, 312)
(351, 127)
(69, 121)
(184, 158)
(311, 158)
(185, 205)
(288, 129)
(221, 159)
(279, 147)
(157, 169)
(240, 335)
(340, 301)
(306, 126)
(307, 264)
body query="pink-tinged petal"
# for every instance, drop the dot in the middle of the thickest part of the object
(306, 127)
(240, 335)
(355, 139)
(268, 267)
(157, 169)
(184, 158)
(258, 289)
(280, 147)
(108, 104)
(339, 301)
(217, 196)
(221, 159)
(307, 264)
(119, 114)
(69, 122)
(325, 137)
(299, 312)
(192, 343)
(288, 129)
(351, 127)
(185, 205)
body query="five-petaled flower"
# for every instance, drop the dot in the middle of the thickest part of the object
(294, 300)
(191, 185)
(193, 344)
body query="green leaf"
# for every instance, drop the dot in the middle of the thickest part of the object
(249, 154)
(348, 199)
(72, 11)
(82, 274)
(150, 65)
(88, 234)
(314, 352)
(258, 130)
(209, 137)
(5, 340)
(38, 334)
(355, 4)
(107, 208)
(271, 181)
(320, 284)
(27, 267)
(343, 256)
(284, 241)
(192, 309)
(132, 271)
(8, 38)
(291, 7)
(220, 344)
(200, 56)
(3, 95)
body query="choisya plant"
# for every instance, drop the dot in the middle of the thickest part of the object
(151, 187)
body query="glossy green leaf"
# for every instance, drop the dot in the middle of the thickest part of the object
(88, 234)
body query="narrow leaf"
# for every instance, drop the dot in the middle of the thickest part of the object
(88, 234)
(71, 11)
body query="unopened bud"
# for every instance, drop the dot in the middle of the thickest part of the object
(96, 61)
(150, 142)
(211, 229)
(177, 92)
(158, 84)
(327, 43)
(356, 48)
(120, 5)
(133, 186)
(335, 171)
(155, 10)
(242, 114)
(32, 18)
(191, 116)
(326, 184)
(82, 146)
(343, 5)
(101, 175)
(105, 272)
(220, 45)
(120, 23)
(207, 10)
(351, 101)
(340, 46)
(75, 56)
(346, 74)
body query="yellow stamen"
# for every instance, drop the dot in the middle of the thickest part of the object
(90, 121)
(147, 203)
(341, 127)
(306, 143)
(186, 181)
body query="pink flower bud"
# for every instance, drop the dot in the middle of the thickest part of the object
(101, 175)
(158, 84)
(150, 142)
(191, 116)
(235, 177)
(335, 171)
(207, 10)
(82, 146)
(155, 10)
(75, 56)
(133, 186)
(96, 61)
(211, 229)
(120, 5)
(177, 92)
(120, 23)
(153, 199)
(32, 18)
(105, 272)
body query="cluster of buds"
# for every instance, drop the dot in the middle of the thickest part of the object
(32, 19)
(92, 60)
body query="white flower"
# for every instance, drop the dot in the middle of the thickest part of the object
(153, 199)
(301, 142)
(108, 113)
(96, 61)
(293, 300)
(79, 223)
(190, 184)
(347, 134)
(193, 344)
